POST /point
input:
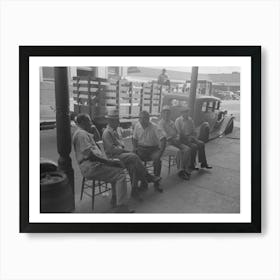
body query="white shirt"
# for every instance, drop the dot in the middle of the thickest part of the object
(184, 127)
(150, 136)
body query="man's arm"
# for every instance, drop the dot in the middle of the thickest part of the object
(94, 157)
(135, 144)
(109, 145)
(135, 139)
(193, 129)
(162, 139)
(162, 145)
(178, 127)
(95, 133)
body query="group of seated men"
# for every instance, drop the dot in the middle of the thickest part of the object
(149, 143)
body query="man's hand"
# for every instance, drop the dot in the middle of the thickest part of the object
(116, 163)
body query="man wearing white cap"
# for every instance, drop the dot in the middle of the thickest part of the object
(183, 156)
(186, 130)
(114, 148)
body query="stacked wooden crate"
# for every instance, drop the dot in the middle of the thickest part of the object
(89, 95)
(151, 98)
(97, 96)
(129, 98)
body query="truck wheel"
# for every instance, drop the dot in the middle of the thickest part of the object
(204, 132)
(229, 127)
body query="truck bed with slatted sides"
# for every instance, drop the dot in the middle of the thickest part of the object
(96, 96)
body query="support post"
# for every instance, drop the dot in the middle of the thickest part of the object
(193, 90)
(63, 132)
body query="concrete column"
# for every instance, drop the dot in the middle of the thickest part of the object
(63, 132)
(193, 90)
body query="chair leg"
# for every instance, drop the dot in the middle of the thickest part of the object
(93, 195)
(83, 186)
(114, 194)
(169, 164)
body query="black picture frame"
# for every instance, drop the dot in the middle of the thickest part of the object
(25, 52)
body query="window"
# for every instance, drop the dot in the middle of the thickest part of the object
(184, 103)
(204, 107)
(211, 106)
(174, 102)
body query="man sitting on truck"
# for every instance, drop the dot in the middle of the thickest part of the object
(149, 143)
(114, 148)
(183, 155)
(185, 127)
(95, 166)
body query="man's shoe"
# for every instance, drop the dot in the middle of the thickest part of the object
(205, 165)
(194, 168)
(143, 187)
(158, 188)
(123, 209)
(153, 179)
(136, 195)
(183, 175)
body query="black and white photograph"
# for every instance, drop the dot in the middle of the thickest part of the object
(139, 140)
(144, 139)
(157, 142)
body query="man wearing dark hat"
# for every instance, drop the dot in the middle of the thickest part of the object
(114, 148)
(186, 130)
(183, 152)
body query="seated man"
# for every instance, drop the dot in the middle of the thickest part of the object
(114, 148)
(149, 143)
(183, 156)
(185, 127)
(95, 166)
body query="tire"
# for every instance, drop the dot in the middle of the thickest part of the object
(55, 193)
(204, 132)
(229, 127)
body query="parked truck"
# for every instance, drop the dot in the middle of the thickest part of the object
(96, 96)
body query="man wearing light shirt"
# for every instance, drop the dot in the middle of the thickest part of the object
(149, 143)
(115, 148)
(95, 166)
(183, 152)
(185, 127)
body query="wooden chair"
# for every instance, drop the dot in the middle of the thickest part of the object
(97, 188)
(169, 157)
